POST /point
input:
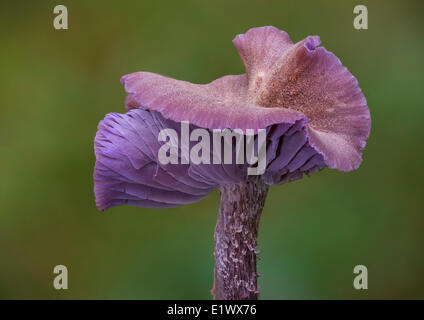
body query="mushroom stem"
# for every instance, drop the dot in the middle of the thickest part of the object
(236, 235)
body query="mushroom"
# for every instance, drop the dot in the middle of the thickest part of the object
(310, 107)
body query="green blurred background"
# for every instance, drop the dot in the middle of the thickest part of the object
(56, 85)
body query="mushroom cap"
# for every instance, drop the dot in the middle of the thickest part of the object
(311, 107)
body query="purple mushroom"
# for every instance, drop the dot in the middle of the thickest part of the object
(309, 107)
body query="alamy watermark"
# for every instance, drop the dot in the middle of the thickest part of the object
(361, 280)
(177, 150)
(60, 282)
(61, 20)
(360, 22)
